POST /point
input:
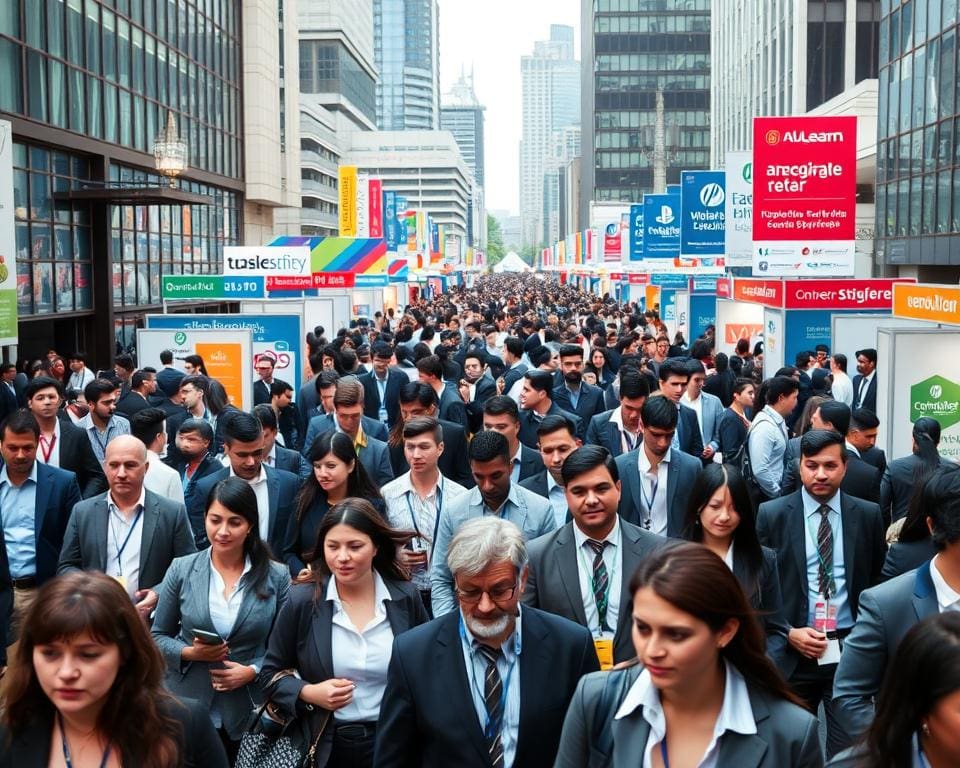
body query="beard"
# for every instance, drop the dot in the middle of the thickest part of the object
(487, 628)
(574, 378)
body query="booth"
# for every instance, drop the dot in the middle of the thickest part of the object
(702, 309)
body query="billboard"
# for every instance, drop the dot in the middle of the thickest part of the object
(348, 200)
(375, 200)
(661, 226)
(804, 196)
(636, 233)
(266, 261)
(391, 224)
(738, 209)
(702, 197)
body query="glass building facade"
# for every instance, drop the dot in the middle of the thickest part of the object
(918, 155)
(88, 85)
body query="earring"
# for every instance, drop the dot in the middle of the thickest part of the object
(926, 729)
(697, 523)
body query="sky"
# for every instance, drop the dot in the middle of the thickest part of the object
(491, 37)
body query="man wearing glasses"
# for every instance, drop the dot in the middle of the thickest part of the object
(510, 660)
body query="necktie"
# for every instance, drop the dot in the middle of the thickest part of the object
(492, 691)
(825, 553)
(600, 580)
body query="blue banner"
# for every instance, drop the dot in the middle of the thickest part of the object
(661, 226)
(391, 225)
(434, 238)
(636, 232)
(673, 189)
(702, 228)
(668, 305)
(371, 281)
(673, 280)
(703, 312)
(703, 285)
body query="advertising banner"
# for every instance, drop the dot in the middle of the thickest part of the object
(8, 261)
(936, 303)
(702, 226)
(737, 320)
(768, 292)
(266, 261)
(682, 301)
(839, 294)
(804, 195)
(375, 197)
(672, 280)
(347, 191)
(738, 208)
(193, 287)
(703, 312)
(774, 354)
(363, 205)
(612, 241)
(391, 224)
(705, 284)
(661, 226)
(636, 233)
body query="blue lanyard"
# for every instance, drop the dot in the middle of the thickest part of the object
(123, 546)
(663, 752)
(66, 749)
(436, 522)
(488, 728)
(650, 502)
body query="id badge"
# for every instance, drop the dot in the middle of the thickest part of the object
(604, 648)
(825, 620)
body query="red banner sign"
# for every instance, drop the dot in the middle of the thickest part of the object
(766, 292)
(724, 290)
(289, 282)
(333, 279)
(639, 279)
(840, 294)
(375, 205)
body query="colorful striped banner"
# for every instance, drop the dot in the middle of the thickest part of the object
(362, 256)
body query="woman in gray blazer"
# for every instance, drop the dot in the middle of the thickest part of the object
(216, 611)
(703, 669)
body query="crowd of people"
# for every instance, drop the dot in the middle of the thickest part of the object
(515, 524)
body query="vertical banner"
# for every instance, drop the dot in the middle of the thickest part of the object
(804, 196)
(611, 242)
(348, 200)
(391, 223)
(8, 262)
(739, 209)
(702, 226)
(661, 226)
(376, 207)
(363, 205)
(636, 232)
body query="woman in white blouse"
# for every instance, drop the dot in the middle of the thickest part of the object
(216, 610)
(338, 626)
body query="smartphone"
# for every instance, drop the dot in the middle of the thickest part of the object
(207, 638)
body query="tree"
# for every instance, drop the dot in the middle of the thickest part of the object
(495, 248)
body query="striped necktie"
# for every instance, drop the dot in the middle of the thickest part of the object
(492, 692)
(825, 553)
(600, 580)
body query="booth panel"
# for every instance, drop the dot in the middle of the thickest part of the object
(851, 332)
(737, 320)
(682, 302)
(773, 341)
(703, 312)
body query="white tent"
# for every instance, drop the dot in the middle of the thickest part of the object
(512, 263)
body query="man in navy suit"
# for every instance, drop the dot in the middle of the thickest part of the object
(328, 421)
(452, 407)
(502, 415)
(261, 386)
(865, 382)
(575, 396)
(8, 394)
(275, 455)
(476, 387)
(536, 402)
(381, 386)
(619, 430)
(674, 377)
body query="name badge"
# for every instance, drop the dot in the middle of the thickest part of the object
(604, 648)
(121, 580)
(825, 620)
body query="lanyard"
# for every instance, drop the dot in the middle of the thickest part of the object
(488, 731)
(436, 522)
(46, 448)
(593, 592)
(66, 749)
(96, 436)
(663, 752)
(655, 483)
(121, 547)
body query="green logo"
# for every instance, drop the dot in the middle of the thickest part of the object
(938, 398)
(747, 173)
(179, 338)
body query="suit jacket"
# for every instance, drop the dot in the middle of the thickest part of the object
(786, 734)
(291, 461)
(712, 411)
(767, 600)
(681, 473)
(897, 486)
(168, 379)
(553, 580)
(302, 639)
(185, 605)
(589, 404)
(325, 423)
(261, 392)
(688, 432)
(307, 400)
(781, 526)
(528, 424)
(485, 388)
(371, 395)
(77, 456)
(453, 463)
(887, 612)
(8, 401)
(601, 431)
(876, 457)
(512, 375)
(166, 535)
(132, 403)
(428, 720)
(282, 488)
(906, 556)
(869, 400)
(538, 484)
(207, 466)
(530, 464)
(861, 479)
(452, 408)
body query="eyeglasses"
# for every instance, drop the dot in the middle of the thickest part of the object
(497, 594)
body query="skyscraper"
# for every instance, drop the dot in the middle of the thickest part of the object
(406, 37)
(551, 102)
(462, 115)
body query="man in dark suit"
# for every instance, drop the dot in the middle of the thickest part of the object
(276, 489)
(569, 566)
(862, 438)
(275, 455)
(452, 407)
(556, 439)
(536, 402)
(35, 505)
(477, 387)
(129, 533)
(261, 386)
(451, 677)
(512, 353)
(618, 430)
(326, 422)
(381, 386)
(168, 377)
(674, 377)
(194, 439)
(502, 415)
(865, 382)
(831, 548)
(308, 398)
(143, 384)
(656, 477)
(8, 393)
(575, 396)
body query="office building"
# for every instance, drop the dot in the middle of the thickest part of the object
(462, 114)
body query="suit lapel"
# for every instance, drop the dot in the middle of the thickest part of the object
(42, 495)
(323, 636)
(151, 515)
(450, 663)
(796, 526)
(273, 499)
(397, 609)
(924, 593)
(633, 484)
(201, 572)
(745, 750)
(101, 520)
(566, 554)
(630, 735)
(850, 525)
(535, 664)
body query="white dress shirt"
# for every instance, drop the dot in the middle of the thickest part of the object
(628, 440)
(162, 480)
(613, 560)
(125, 565)
(842, 388)
(259, 486)
(653, 496)
(811, 525)
(224, 610)
(861, 393)
(948, 599)
(54, 460)
(558, 500)
(361, 654)
(697, 406)
(736, 715)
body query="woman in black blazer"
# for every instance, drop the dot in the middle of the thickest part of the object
(720, 515)
(337, 630)
(734, 422)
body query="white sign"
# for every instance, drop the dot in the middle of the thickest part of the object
(822, 258)
(8, 242)
(266, 261)
(773, 341)
(738, 209)
(363, 205)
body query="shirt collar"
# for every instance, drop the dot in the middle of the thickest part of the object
(811, 505)
(247, 565)
(551, 483)
(112, 505)
(852, 450)
(777, 418)
(261, 478)
(518, 456)
(512, 497)
(32, 476)
(613, 537)
(380, 596)
(511, 647)
(644, 462)
(947, 597)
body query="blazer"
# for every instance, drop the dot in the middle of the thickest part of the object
(538, 484)
(528, 424)
(732, 434)
(512, 375)
(132, 403)
(485, 388)
(282, 488)
(371, 395)
(291, 461)
(302, 639)
(887, 612)
(452, 408)
(589, 404)
(765, 597)
(77, 456)
(861, 479)
(876, 457)
(307, 400)
(869, 400)
(611, 396)
(200, 746)
(681, 473)
(8, 401)
(453, 462)
(906, 556)
(898, 484)
(712, 411)
(207, 466)
(166, 535)
(600, 431)
(325, 423)
(185, 605)
(428, 720)
(688, 432)
(301, 534)
(781, 526)
(786, 734)
(530, 464)
(553, 579)
(261, 392)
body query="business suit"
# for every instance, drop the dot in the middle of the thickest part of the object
(786, 734)
(860, 480)
(529, 424)
(261, 392)
(589, 404)
(530, 463)
(611, 397)
(484, 388)
(207, 466)
(8, 400)
(711, 409)
(898, 484)
(688, 432)
(553, 580)
(168, 380)
(512, 375)
(308, 399)
(876, 457)
(887, 613)
(428, 719)
(766, 598)
(453, 463)
(866, 399)
(184, 606)
(132, 403)
(732, 433)
(371, 395)
(603, 432)
(682, 471)
(165, 535)
(77, 456)
(538, 484)
(302, 639)
(326, 423)
(291, 461)
(452, 408)
(906, 556)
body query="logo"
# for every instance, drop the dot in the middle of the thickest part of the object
(666, 215)
(763, 266)
(747, 173)
(712, 196)
(771, 327)
(937, 398)
(805, 251)
(612, 229)
(179, 338)
(773, 137)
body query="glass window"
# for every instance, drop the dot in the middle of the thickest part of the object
(929, 196)
(24, 287)
(948, 75)
(110, 112)
(11, 77)
(944, 198)
(58, 94)
(37, 80)
(35, 24)
(82, 282)
(96, 115)
(123, 51)
(109, 45)
(54, 26)
(93, 36)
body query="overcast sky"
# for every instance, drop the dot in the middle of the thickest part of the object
(492, 36)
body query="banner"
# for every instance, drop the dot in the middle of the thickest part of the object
(804, 196)
(936, 303)
(702, 227)
(738, 209)
(636, 232)
(266, 261)
(8, 252)
(611, 242)
(375, 187)
(391, 223)
(363, 205)
(348, 200)
(661, 230)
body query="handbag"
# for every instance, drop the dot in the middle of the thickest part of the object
(273, 740)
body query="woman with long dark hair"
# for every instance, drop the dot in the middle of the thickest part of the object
(916, 721)
(600, 365)
(194, 365)
(706, 694)
(905, 475)
(338, 626)
(735, 421)
(222, 410)
(216, 609)
(337, 474)
(720, 515)
(86, 682)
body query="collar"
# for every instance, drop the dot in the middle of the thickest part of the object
(381, 593)
(947, 596)
(512, 647)
(685, 398)
(613, 537)
(551, 483)
(518, 456)
(112, 505)
(777, 418)
(261, 478)
(247, 565)
(644, 462)
(572, 390)
(404, 485)
(512, 497)
(273, 453)
(811, 505)
(6, 480)
(854, 451)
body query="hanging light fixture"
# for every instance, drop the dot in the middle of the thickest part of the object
(170, 151)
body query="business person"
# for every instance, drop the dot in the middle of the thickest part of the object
(903, 476)
(618, 430)
(735, 422)
(865, 382)
(674, 375)
(275, 455)
(575, 395)
(381, 386)
(536, 403)
(708, 408)
(502, 415)
(476, 387)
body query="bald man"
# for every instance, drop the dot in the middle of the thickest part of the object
(129, 533)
